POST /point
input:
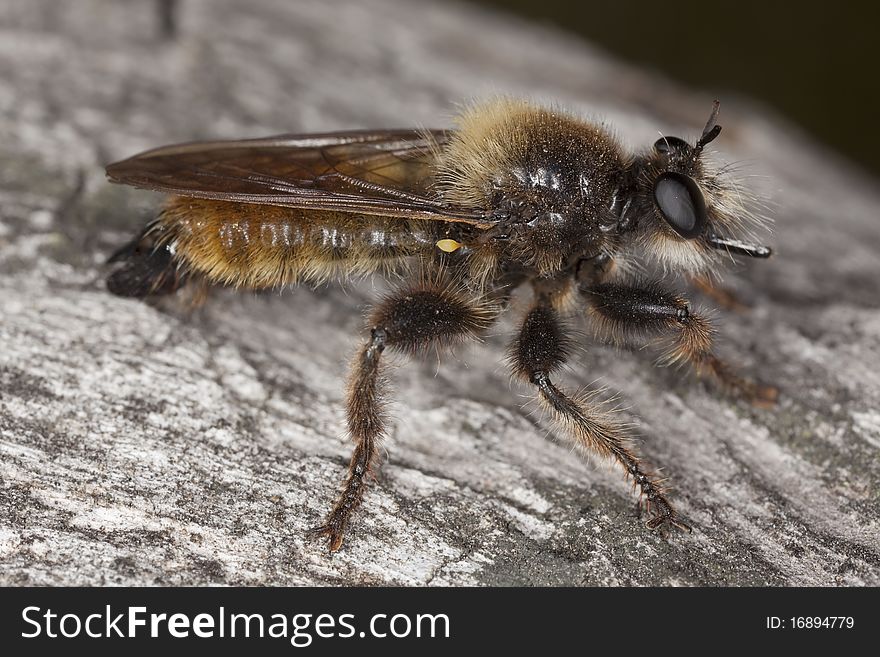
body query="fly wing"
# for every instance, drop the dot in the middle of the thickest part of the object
(386, 173)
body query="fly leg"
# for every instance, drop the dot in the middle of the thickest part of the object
(541, 348)
(621, 313)
(409, 321)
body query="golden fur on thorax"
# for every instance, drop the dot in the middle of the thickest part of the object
(494, 137)
(548, 175)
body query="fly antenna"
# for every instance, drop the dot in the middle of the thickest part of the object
(711, 130)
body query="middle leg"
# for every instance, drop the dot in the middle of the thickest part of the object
(540, 349)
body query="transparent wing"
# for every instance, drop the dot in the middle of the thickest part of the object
(385, 173)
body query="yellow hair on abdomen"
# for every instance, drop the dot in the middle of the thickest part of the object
(256, 246)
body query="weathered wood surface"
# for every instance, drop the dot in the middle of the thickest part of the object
(142, 447)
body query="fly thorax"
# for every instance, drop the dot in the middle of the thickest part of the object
(545, 178)
(546, 215)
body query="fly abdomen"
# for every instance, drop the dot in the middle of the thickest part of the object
(263, 246)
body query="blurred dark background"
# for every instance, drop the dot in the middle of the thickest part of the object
(812, 62)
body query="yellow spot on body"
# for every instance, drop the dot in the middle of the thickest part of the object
(448, 245)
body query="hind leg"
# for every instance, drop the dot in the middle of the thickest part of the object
(145, 268)
(409, 321)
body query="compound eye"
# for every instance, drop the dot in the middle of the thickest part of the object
(681, 203)
(671, 146)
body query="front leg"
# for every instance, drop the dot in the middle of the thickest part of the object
(540, 349)
(408, 321)
(622, 313)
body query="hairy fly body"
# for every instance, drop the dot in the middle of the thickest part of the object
(516, 195)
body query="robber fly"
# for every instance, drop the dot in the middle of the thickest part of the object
(516, 195)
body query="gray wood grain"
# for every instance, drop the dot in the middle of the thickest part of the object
(140, 446)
